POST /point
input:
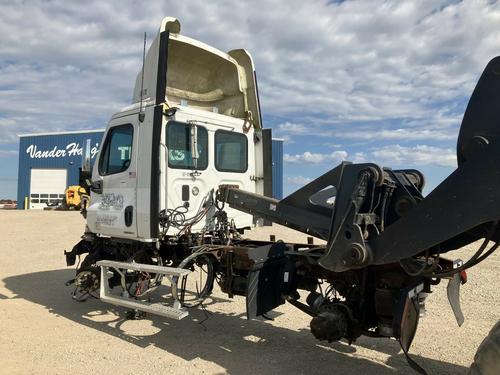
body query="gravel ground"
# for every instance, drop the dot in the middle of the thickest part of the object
(43, 331)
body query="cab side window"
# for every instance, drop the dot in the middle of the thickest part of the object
(117, 150)
(231, 152)
(179, 146)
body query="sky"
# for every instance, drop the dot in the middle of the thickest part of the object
(363, 81)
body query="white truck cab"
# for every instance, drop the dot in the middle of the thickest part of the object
(194, 124)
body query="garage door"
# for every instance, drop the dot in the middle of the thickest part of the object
(47, 186)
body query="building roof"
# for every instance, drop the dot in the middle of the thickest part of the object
(65, 132)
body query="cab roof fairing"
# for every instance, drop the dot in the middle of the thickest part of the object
(200, 76)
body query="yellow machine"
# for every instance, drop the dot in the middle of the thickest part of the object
(75, 197)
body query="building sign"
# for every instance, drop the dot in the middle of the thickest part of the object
(72, 149)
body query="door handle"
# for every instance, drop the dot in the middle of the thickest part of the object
(129, 210)
(185, 193)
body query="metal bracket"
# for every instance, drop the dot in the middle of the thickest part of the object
(256, 178)
(453, 293)
(173, 274)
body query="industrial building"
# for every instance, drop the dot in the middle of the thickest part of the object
(50, 162)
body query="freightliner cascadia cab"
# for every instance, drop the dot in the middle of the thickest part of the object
(194, 124)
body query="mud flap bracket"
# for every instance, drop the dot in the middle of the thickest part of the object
(453, 293)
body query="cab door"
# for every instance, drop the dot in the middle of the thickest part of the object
(233, 164)
(188, 179)
(112, 210)
(224, 156)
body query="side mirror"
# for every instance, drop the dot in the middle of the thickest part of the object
(194, 149)
(86, 157)
(194, 143)
(96, 187)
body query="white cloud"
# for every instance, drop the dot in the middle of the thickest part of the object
(359, 157)
(70, 65)
(316, 158)
(291, 128)
(287, 139)
(398, 134)
(391, 155)
(418, 155)
(374, 132)
(298, 180)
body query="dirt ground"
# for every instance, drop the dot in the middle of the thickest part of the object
(43, 331)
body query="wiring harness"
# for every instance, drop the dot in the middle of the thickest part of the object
(176, 217)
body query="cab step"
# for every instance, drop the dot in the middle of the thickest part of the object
(173, 274)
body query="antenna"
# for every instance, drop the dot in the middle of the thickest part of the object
(141, 112)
